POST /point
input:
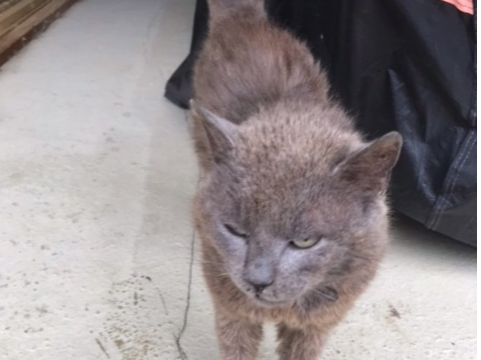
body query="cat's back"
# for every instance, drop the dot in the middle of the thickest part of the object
(247, 63)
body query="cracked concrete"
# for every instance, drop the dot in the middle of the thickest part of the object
(98, 257)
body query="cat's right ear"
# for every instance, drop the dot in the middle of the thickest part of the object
(213, 136)
(368, 170)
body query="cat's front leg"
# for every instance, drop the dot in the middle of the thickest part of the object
(238, 339)
(299, 344)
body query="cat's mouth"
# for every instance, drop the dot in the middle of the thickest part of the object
(269, 302)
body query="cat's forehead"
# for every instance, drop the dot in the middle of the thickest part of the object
(284, 174)
(290, 207)
(300, 146)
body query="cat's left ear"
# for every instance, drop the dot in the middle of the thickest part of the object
(369, 169)
(214, 136)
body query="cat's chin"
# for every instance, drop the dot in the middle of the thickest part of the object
(269, 303)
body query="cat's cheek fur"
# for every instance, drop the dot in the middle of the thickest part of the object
(234, 252)
(292, 281)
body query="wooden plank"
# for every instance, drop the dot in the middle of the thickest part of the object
(31, 24)
(5, 4)
(17, 12)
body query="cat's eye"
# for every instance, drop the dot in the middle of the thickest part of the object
(236, 231)
(305, 243)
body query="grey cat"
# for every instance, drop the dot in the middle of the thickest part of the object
(291, 209)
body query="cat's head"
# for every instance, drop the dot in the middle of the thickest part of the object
(294, 207)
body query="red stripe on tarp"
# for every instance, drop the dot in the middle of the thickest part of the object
(462, 5)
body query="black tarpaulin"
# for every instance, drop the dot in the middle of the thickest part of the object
(403, 65)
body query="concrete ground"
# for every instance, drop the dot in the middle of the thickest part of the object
(98, 258)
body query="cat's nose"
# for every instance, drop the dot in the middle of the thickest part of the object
(259, 274)
(258, 288)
